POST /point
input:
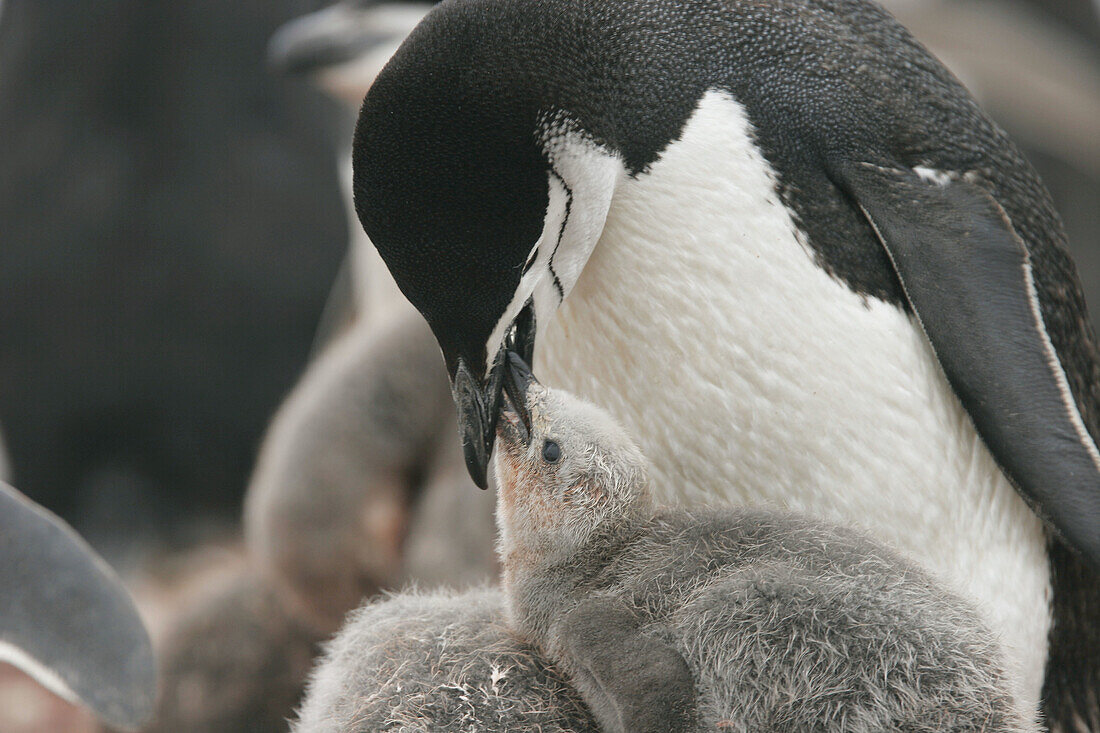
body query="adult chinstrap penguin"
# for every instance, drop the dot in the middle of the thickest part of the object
(845, 290)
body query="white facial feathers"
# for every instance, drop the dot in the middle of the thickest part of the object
(582, 180)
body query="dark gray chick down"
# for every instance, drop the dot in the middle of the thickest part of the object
(441, 662)
(724, 619)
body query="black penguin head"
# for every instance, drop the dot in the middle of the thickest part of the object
(450, 185)
(486, 156)
(461, 182)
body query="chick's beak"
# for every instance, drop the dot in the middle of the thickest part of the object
(515, 425)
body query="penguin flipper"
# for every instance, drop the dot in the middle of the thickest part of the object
(632, 682)
(67, 620)
(968, 278)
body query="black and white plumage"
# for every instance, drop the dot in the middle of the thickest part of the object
(1035, 68)
(789, 252)
(700, 620)
(443, 662)
(67, 620)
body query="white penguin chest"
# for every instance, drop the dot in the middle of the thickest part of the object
(750, 376)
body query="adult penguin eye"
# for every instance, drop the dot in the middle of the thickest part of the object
(551, 451)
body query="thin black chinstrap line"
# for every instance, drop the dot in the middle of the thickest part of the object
(561, 232)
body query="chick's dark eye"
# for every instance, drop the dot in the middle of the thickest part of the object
(551, 451)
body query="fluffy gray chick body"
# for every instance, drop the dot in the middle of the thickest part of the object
(437, 662)
(723, 619)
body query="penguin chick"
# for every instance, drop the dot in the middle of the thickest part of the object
(438, 662)
(758, 206)
(347, 463)
(742, 620)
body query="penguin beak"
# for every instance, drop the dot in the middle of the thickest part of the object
(514, 426)
(325, 38)
(479, 405)
(478, 409)
(517, 379)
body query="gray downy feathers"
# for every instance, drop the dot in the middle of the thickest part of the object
(438, 662)
(756, 620)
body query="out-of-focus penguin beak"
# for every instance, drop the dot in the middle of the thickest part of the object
(66, 619)
(316, 41)
(479, 403)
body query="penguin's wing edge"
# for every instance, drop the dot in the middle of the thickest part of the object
(967, 276)
(67, 620)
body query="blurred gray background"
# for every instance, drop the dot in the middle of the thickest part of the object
(170, 226)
